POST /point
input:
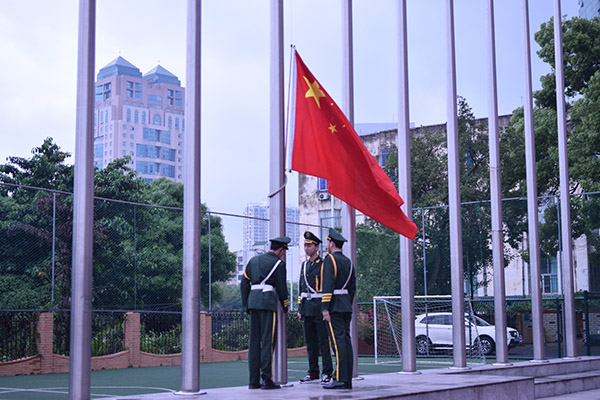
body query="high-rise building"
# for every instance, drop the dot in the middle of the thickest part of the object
(140, 116)
(256, 227)
(589, 8)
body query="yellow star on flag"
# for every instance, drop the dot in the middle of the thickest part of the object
(314, 90)
(332, 128)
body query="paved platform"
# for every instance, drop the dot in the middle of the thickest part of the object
(432, 384)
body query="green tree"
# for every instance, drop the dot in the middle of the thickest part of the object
(581, 50)
(137, 249)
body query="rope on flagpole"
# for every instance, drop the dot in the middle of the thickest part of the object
(290, 116)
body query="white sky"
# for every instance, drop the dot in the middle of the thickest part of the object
(38, 40)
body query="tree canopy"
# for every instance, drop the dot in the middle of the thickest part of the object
(137, 259)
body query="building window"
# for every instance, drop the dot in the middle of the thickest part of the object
(124, 143)
(147, 167)
(107, 90)
(383, 157)
(138, 90)
(128, 115)
(143, 117)
(549, 272)
(136, 116)
(156, 119)
(154, 98)
(101, 117)
(170, 123)
(176, 123)
(129, 89)
(103, 92)
(322, 184)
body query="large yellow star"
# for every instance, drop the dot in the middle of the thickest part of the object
(332, 128)
(314, 90)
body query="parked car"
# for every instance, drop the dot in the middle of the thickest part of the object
(434, 331)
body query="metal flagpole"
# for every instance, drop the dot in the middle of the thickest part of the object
(80, 363)
(532, 201)
(456, 257)
(277, 172)
(496, 196)
(192, 217)
(407, 285)
(565, 201)
(348, 213)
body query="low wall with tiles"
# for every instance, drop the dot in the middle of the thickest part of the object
(46, 362)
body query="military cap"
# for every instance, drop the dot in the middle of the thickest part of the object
(281, 241)
(310, 237)
(336, 236)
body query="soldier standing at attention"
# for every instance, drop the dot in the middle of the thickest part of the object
(309, 300)
(338, 288)
(263, 285)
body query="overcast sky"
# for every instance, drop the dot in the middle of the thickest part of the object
(38, 39)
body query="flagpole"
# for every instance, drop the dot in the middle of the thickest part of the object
(532, 200)
(348, 213)
(407, 286)
(190, 299)
(456, 256)
(291, 114)
(83, 209)
(565, 201)
(277, 172)
(496, 197)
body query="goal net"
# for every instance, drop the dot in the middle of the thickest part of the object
(433, 331)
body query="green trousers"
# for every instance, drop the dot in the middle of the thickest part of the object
(263, 334)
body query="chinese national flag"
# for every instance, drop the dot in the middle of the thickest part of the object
(326, 145)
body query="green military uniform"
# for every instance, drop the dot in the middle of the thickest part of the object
(263, 285)
(339, 288)
(315, 330)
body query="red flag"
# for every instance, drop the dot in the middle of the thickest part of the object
(326, 145)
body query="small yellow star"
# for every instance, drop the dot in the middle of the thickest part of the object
(314, 90)
(332, 128)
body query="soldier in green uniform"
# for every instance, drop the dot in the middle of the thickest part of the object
(309, 300)
(338, 288)
(263, 285)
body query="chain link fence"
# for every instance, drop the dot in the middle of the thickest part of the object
(137, 263)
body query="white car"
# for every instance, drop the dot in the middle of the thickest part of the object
(434, 331)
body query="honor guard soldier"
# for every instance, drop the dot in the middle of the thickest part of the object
(263, 285)
(338, 288)
(309, 301)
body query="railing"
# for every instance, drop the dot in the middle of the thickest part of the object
(160, 332)
(17, 334)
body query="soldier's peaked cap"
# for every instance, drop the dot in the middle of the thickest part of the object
(310, 237)
(283, 240)
(335, 235)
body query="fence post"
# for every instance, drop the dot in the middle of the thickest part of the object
(45, 345)
(586, 313)
(132, 337)
(205, 336)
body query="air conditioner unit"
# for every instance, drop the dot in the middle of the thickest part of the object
(324, 196)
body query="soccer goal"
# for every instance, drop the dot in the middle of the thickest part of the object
(433, 331)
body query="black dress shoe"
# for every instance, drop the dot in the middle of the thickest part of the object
(337, 385)
(270, 385)
(254, 386)
(309, 378)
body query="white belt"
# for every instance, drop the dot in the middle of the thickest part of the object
(309, 296)
(340, 291)
(263, 286)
